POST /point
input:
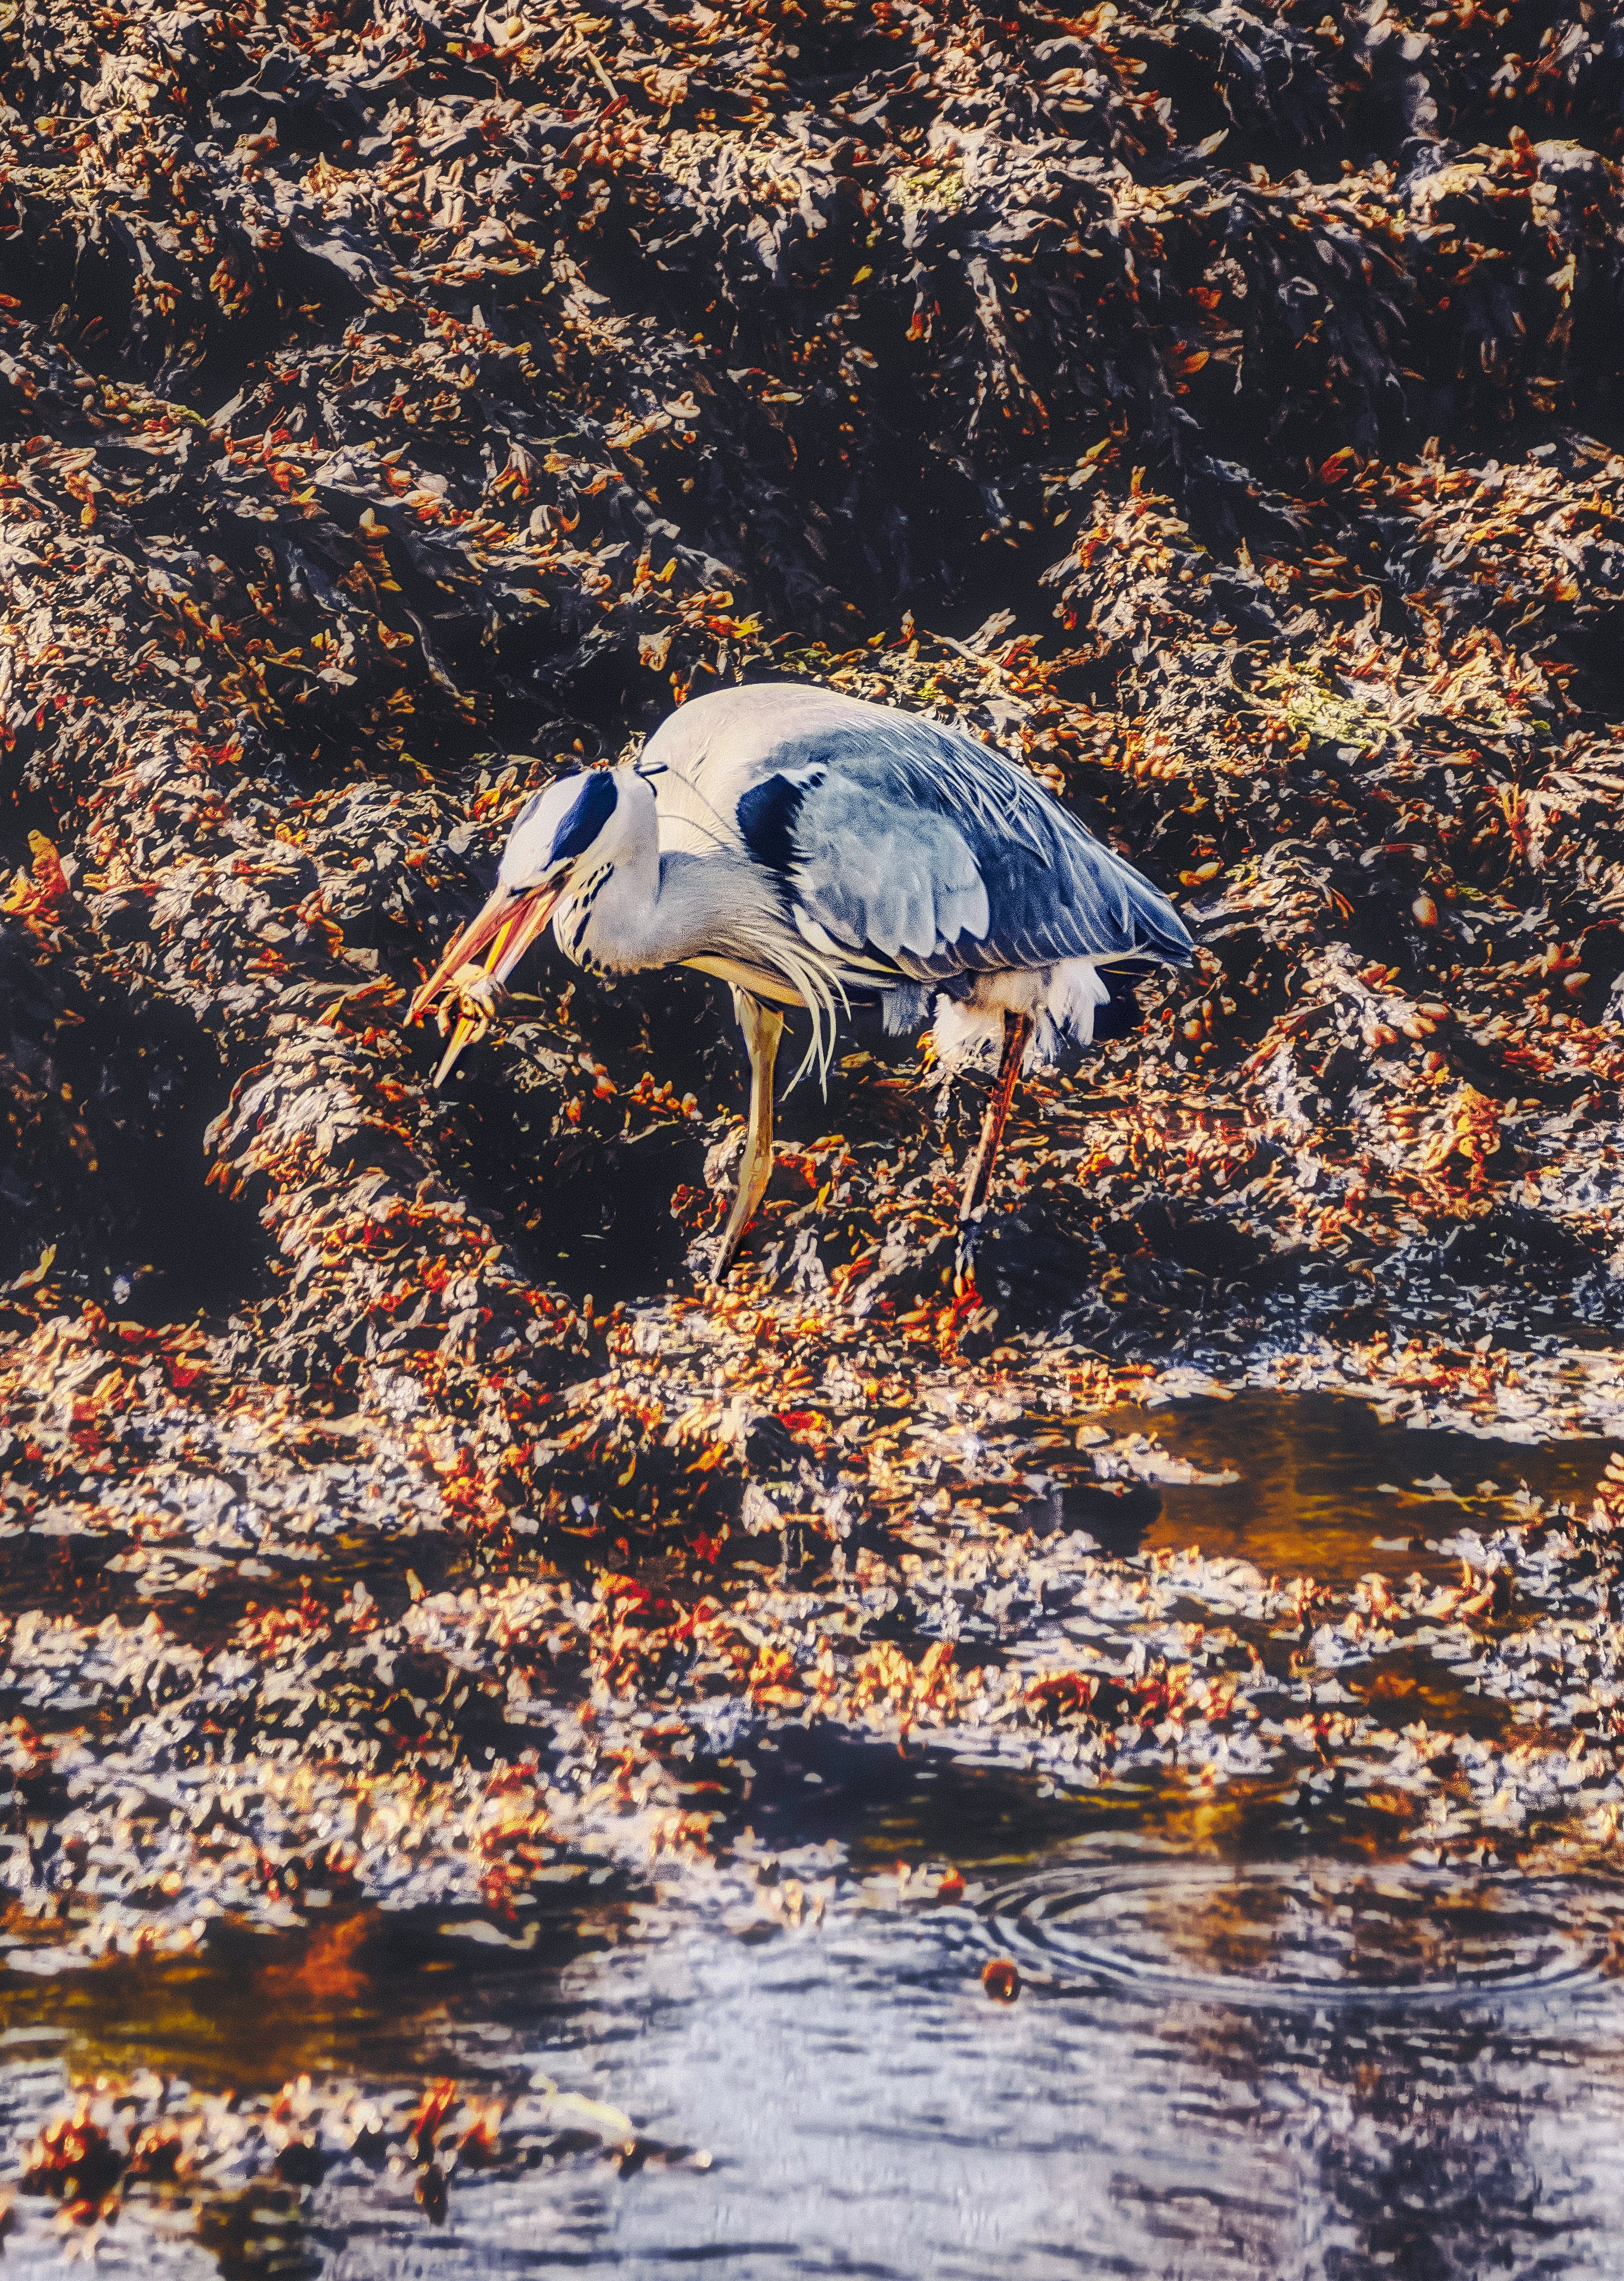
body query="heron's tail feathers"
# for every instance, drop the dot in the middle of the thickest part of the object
(1062, 1000)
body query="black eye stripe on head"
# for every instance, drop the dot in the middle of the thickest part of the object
(586, 819)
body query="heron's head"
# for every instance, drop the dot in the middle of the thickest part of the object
(557, 830)
(558, 833)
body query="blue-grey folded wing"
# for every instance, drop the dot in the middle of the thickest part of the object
(903, 844)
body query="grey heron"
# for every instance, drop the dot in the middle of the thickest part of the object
(814, 850)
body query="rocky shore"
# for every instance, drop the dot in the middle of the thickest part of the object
(1216, 408)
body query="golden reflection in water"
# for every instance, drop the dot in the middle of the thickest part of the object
(361, 1992)
(1315, 1475)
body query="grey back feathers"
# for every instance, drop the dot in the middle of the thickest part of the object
(900, 843)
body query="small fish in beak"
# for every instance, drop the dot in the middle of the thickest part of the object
(507, 925)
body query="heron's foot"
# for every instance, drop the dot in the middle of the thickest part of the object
(727, 1252)
(754, 1171)
(473, 996)
(964, 1258)
(750, 1193)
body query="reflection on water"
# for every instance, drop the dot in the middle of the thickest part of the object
(1317, 1474)
(369, 1990)
(1237, 2052)
(894, 2122)
(869, 2111)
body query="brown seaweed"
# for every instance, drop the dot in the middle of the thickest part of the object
(1214, 408)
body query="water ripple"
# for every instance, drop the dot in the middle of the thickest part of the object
(1292, 1935)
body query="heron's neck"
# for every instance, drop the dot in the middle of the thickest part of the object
(634, 909)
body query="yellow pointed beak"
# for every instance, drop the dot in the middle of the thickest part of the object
(504, 930)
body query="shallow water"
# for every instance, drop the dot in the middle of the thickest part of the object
(1241, 2046)
(1324, 1485)
(868, 2109)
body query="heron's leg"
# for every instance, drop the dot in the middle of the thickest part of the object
(763, 1029)
(978, 1174)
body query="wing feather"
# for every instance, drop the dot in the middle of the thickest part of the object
(907, 842)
